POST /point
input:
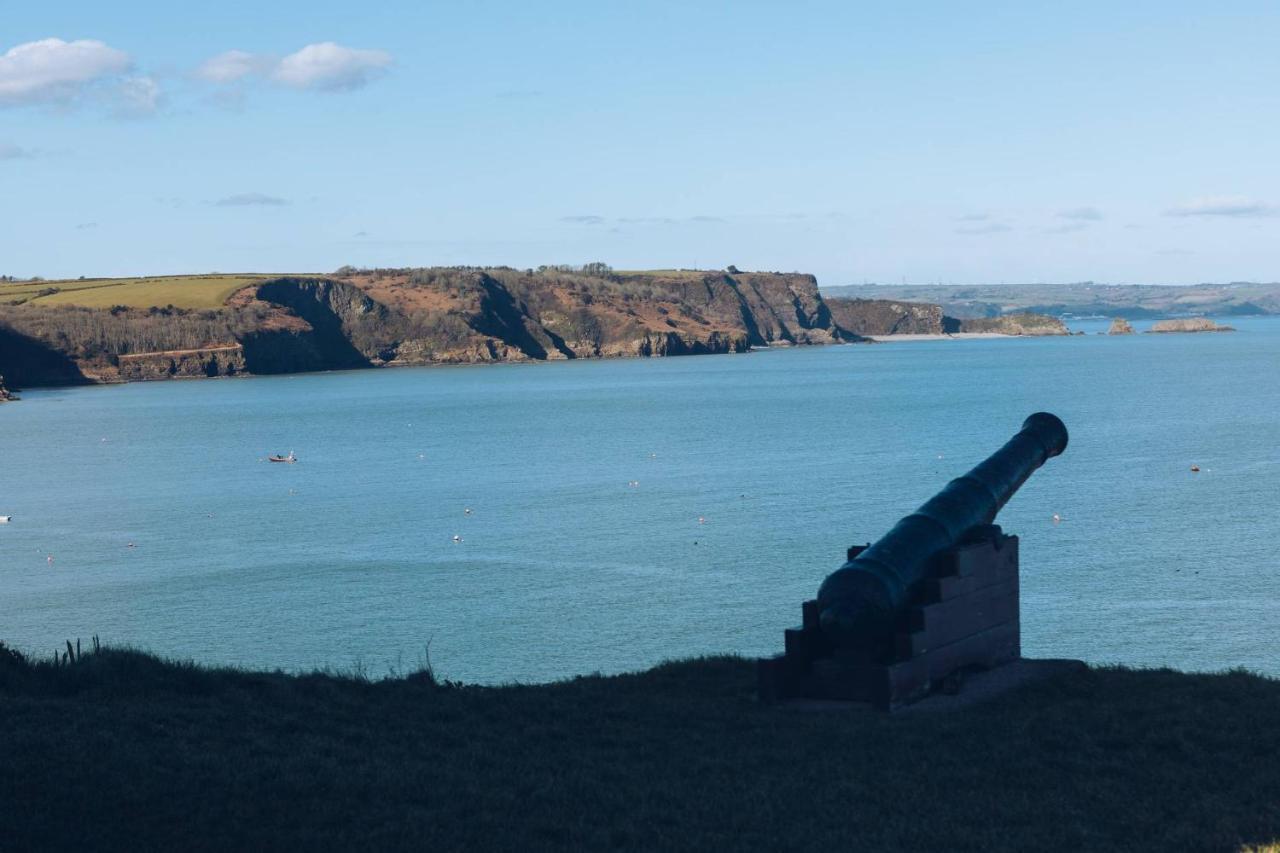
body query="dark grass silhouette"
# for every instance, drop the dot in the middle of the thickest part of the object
(121, 750)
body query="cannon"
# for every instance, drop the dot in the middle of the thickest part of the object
(858, 603)
(932, 602)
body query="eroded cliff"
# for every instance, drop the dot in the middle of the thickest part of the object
(361, 318)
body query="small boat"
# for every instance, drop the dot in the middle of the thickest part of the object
(1195, 469)
(4, 519)
(278, 458)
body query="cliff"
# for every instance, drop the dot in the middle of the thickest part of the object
(1016, 324)
(197, 363)
(887, 317)
(1188, 324)
(362, 318)
(1120, 326)
(5, 394)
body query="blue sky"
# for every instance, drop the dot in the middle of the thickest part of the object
(926, 142)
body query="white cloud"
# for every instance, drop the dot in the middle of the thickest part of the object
(55, 71)
(322, 67)
(1231, 206)
(251, 200)
(1081, 214)
(329, 67)
(232, 67)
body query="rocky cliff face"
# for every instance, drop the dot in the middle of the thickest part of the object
(189, 364)
(5, 394)
(425, 316)
(449, 315)
(1189, 324)
(886, 317)
(1120, 326)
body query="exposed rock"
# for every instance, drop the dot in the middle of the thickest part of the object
(1016, 324)
(1189, 324)
(1120, 326)
(886, 317)
(5, 394)
(198, 363)
(424, 316)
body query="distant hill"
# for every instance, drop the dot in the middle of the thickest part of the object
(1132, 301)
(110, 330)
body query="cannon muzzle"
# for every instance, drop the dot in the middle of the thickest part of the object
(859, 602)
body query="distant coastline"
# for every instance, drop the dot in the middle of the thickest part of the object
(99, 331)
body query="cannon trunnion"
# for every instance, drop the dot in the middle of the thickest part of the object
(934, 598)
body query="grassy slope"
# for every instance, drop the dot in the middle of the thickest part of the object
(123, 751)
(182, 291)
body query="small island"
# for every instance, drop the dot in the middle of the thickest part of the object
(1120, 326)
(1188, 324)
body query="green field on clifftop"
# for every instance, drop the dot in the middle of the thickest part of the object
(180, 291)
(123, 751)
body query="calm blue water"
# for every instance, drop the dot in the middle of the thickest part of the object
(347, 557)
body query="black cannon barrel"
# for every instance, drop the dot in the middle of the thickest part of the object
(858, 602)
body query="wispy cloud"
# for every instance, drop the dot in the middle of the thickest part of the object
(85, 226)
(138, 96)
(1067, 228)
(987, 228)
(321, 67)
(974, 217)
(233, 66)
(645, 220)
(9, 151)
(641, 220)
(1081, 214)
(1230, 206)
(251, 200)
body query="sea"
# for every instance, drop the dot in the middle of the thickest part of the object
(534, 522)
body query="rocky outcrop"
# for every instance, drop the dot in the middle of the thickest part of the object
(190, 364)
(333, 315)
(1015, 324)
(1120, 326)
(886, 317)
(1188, 324)
(5, 394)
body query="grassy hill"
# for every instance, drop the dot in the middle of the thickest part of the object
(180, 291)
(120, 750)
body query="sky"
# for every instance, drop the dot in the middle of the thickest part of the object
(860, 141)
